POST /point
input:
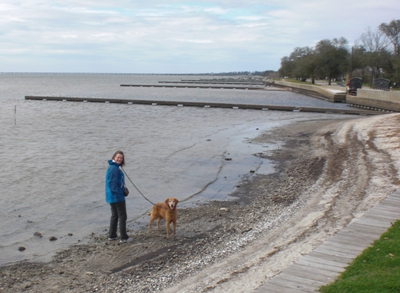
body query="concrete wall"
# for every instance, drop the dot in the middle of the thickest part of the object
(378, 99)
(309, 89)
(366, 98)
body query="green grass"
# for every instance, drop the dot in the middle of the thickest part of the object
(299, 81)
(295, 80)
(375, 270)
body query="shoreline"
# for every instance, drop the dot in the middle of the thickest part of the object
(327, 173)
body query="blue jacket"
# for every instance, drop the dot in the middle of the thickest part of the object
(114, 183)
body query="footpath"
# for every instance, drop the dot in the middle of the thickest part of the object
(323, 265)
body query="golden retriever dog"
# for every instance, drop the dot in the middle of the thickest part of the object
(167, 211)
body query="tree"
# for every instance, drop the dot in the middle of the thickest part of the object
(302, 59)
(396, 70)
(392, 31)
(374, 59)
(300, 64)
(356, 62)
(308, 65)
(332, 57)
(287, 67)
(377, 64)
(380, 47)
(378, 55)
(374, 41)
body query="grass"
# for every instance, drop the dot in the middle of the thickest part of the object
(299, 81)
(375, 270)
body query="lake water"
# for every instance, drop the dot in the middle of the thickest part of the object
(54, 154)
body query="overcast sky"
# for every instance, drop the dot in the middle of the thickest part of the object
(150, 36)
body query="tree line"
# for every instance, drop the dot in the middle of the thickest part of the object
(375, 55)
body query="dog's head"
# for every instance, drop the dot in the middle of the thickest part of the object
(171, 203)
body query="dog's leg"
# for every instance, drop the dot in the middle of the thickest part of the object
(150, 223)
(174, 223)
(167, 226)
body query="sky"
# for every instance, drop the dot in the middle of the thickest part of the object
(150, 36)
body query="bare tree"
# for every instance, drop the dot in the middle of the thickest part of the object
(392, 31)
(374, 41)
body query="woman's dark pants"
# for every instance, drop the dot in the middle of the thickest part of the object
(118, 214)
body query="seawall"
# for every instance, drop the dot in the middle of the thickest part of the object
(332, 95)
(370, 99)
(375, 100)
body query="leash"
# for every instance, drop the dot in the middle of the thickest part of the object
(142, 193)
(137, 188)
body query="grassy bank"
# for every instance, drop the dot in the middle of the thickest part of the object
(299, 81)
(377, 269)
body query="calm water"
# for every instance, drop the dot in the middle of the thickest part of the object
(54, 154)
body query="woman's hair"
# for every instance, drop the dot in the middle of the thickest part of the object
(123, 157)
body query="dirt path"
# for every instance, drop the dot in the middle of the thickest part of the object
(328, 173)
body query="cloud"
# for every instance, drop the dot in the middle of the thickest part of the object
(159, 37)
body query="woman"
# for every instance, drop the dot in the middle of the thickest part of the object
(115, 184)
